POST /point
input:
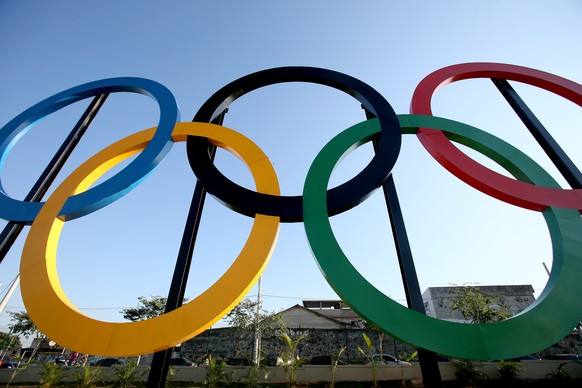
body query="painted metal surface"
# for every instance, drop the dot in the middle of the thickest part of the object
(45, 299)
(517, 192)
(289, 208)
(545, 322)
(119, 184)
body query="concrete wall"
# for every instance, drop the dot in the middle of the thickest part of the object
(316, 373)
(439, 300)
(225, 343)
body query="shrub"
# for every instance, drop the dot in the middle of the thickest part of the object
(467, 371)
(51, 375)
(126, 376)
(216, 373)
(559, 373)
(88, 376)
(510, 371)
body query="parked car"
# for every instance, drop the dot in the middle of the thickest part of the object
(8, 365)
(179, 361)
(386, 359)
(108, 362)
(325, 360)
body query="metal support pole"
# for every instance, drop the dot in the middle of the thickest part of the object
(9, 293)
(161, 361)
(562, 162)
(428, 361)
(12, 230)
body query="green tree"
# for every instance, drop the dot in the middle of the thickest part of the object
(216, 374)
(146, 308)
(368, 353)
(88, 376)
(467, 371)
(334, 365)
(24, 326)
(8, 341)
(51, 375)
(127, 376)
(250, 321)
(510, 372)
(290, 356)
(478, 306)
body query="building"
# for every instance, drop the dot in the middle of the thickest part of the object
(439, 300)
(329, 325)
(326, 325)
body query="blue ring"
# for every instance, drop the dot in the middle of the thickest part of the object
(116, 186)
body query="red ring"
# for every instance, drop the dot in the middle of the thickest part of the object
(506, 189)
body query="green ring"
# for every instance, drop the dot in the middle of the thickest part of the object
(552, 316)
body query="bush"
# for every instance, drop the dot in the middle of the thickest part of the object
(216, 373)
(510, 371)
(51, 375)
(126, 376)
(559, 373)
(467, 371)
(88, 376)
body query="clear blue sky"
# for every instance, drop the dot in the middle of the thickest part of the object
(458, 235)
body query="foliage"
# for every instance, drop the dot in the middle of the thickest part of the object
(406, 358)
(467, 371)
(146, 308)
(9, 340)
(251, 379)
(88, 376)
(334, 363)
(479, 307)
(373, 329)
(290, 356)
(126, 376)
(249, 318)
(21, 364)
(23, 325)
(51, 374)
(216, 374)
(367, 353)
(170, 375)
(559, 373)
(510, 371)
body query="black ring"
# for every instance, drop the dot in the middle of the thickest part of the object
(290, 208)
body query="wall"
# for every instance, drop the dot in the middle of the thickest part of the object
(225, 343)
(315, 373)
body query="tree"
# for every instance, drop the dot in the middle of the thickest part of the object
(146, 308)
(290, 357)
(478, 306)
(251, 321)
(9, 341)
(369, 354)
(24, 326)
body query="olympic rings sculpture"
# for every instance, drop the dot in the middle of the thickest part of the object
(543, 323)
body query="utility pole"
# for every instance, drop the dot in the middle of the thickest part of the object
(257, 342)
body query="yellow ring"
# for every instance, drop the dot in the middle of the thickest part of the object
(45, 299)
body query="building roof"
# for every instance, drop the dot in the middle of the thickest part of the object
(299, 317)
